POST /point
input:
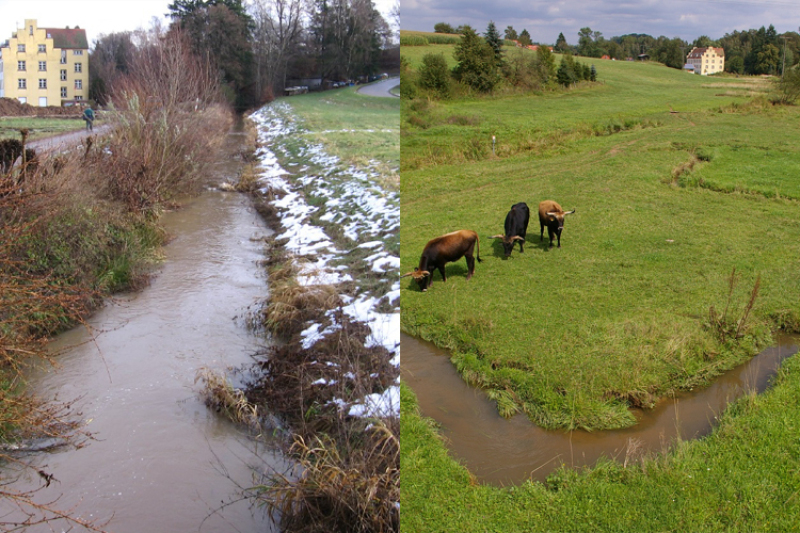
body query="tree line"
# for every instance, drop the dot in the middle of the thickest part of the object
(753, 52)
(257, 47)
(483, 65)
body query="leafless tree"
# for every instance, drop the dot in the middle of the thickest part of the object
(277, 40)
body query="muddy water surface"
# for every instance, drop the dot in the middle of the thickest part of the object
(504, 452)
(162, 461)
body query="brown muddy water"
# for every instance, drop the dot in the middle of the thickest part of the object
(505, 452)
(161, 460)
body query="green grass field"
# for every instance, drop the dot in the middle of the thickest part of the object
(40, 128)
(677, 181)
(373, 140)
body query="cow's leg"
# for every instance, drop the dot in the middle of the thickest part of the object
(559, 239)
(541, 235)
(521, 243)
(470, 266)
(441, 269)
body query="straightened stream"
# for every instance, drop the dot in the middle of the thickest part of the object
(162, 461)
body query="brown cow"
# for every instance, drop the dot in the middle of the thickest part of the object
(446, 249)
(552, 216)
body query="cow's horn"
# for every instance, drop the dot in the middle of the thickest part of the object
(569, 212)
(517, 238)
(406, 275)
(497, 236)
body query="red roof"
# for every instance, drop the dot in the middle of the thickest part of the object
(699, 52)
(67, 38)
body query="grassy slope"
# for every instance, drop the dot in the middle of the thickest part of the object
(373, 137)
(619, 310)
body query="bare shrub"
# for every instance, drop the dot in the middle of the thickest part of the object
(336, 491)
(169, 123)
(730, 325)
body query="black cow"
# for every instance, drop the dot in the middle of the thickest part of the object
(552, 216)
(446, 249)
(516, 228)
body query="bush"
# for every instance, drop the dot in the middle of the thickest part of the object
(434, 74)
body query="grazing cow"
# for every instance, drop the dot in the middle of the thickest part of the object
(446, 249)
(516, 227)
(10, 150)
(552, 216)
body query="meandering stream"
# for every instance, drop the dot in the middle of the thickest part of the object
(503, 452)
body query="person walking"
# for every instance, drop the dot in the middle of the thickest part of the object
(88, 116)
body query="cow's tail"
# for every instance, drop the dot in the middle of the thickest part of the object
(478, 248)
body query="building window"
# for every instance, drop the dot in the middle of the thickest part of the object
(63, 92)
(20, 48)
(42, 83)
(21, 66)
(63, 57)
(42, 48)
(78, 84)
(77, 52)
(63, 74)
(22, 83)
(42, 66)
(31, 29)
(78, 97)
(78, 67)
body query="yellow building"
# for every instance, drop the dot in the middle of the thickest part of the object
(45, 66)
(708, 60)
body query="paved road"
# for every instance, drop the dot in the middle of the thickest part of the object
(380, 88)
(65, 141)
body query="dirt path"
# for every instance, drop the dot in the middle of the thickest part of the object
(66, 141)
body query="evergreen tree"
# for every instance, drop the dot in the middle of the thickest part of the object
(525, 38)
(493, 39)
(476, 62)
(561, 43)
(566, 71)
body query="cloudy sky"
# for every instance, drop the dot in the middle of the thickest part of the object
(544, 19)
(96, 16)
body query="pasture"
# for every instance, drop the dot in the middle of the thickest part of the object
(679, 263)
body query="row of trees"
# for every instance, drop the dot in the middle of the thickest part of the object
(761, 51)
(257, 47)
(482, 64)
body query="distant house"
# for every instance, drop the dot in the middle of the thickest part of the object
(688, 67)
(45, 66)
(708, 60)
(606, 56)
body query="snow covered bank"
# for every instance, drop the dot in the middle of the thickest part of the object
(343, 229)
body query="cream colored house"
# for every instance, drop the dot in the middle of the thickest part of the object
(45, 66)
(708, 60)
